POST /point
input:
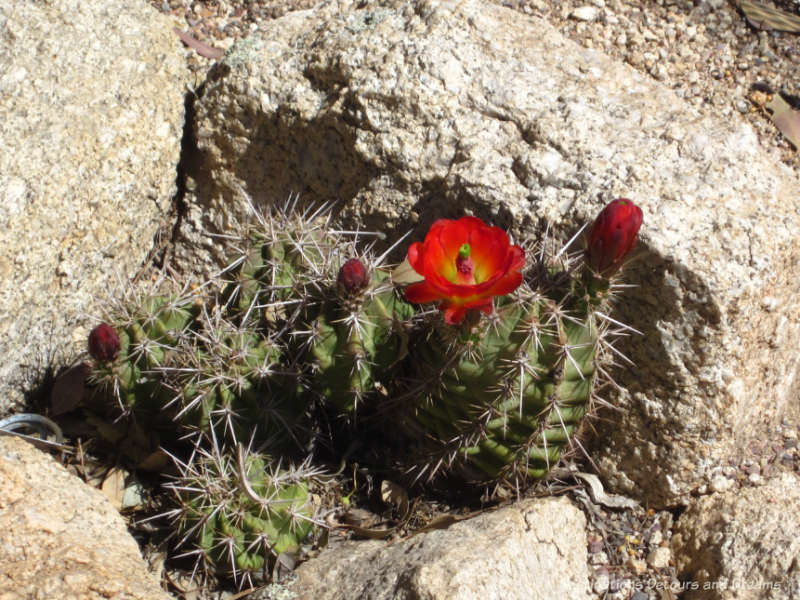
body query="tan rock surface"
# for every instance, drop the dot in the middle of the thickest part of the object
(91, 119)
(743, 544)
(407, 112)
(533, 550)
(60, 538)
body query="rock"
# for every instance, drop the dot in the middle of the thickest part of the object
(59, 538)
(585, 13)
(535, 549)
(720, 483)
(637, 566)
(600, 585)
(743, 544)
(405, 112)
(91, 119)
(659, 558)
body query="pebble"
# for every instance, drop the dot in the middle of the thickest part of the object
(585, 13)
(601, 584)
(598, 558)
(755, 479)
(720, 484)
(638, 566)
(656, 538)
(659, 558)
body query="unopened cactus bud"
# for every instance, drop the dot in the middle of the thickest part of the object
(104, 343)
(613, 236)
(353, 276)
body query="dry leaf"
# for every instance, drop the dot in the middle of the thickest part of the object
(396, 496)
(786, 119)
(761, 16)
(405, 273)
(201, 48)
(68, 389)
(155, 461)
(114, 487)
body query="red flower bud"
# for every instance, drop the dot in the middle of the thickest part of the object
(353, 276)
(103, 343)
(613, 235)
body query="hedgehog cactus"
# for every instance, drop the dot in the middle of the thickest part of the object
(240, 512)
(493, 388)
(508, 391)
(229, 378)
(501, 397)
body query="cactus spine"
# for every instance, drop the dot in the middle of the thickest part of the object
(240, 511)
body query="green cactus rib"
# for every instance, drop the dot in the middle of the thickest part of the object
(240, 513)
(281, 265)
(512, 390)
(357, 342)
(232, 380)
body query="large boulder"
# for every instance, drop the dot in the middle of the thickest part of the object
(535, 549)
(742, 544)
(91, 120)
(59, 538)
(405, 112)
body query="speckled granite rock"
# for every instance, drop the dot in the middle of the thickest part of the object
(532, 550)
(407, 112)
(91, 119)
(59, 538)
(742, 544)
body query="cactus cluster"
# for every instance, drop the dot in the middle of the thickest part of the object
(240, 510)
(304, 322)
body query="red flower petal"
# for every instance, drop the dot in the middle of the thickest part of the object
(453, 236)
(454, 314)
(421, 292)
(416, 257)
(495, 263)
(507, 284)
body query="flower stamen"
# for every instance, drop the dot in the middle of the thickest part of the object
(465, 266)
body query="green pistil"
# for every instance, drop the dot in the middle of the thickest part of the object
(464, 251)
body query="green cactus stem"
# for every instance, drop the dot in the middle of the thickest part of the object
(239, 512)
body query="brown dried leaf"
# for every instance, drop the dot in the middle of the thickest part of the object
(396, 496)
(762, 16)
(114, 487)
(405, 273)
(68, 389)
(786, 119)
(201, 48)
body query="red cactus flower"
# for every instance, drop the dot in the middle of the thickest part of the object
(353, 276)
(103, 343)
(613, 235)
(465, 263)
